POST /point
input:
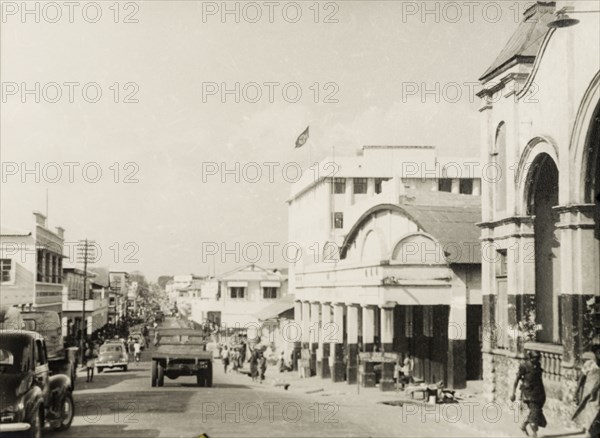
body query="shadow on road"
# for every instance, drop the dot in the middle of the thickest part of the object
(124, 406)
(102, 380)
(104, 431)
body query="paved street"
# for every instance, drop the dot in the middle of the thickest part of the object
(120, 403)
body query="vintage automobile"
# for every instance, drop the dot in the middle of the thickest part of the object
(112, 354)
(31, 398)
(181, 352)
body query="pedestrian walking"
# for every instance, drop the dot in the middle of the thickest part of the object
(262, 365)
(234, 359)
(533, 393)
(225, 358)
(587, 395)
(89, 357)
(137, 349)
(406, 371)
(253, 365)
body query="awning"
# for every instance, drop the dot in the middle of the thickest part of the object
(277, 308)
(270, 284)
(237, 284)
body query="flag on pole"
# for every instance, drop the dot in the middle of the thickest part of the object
(302, 138)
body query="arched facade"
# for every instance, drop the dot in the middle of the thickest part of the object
(538, 287)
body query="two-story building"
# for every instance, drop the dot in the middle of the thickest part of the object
(95, 306)
(389, 261)
(233, 299)
(540, 119)
(31, 263)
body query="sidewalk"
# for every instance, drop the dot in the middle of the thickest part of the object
(489, 419)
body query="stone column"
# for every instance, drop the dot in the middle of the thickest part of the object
(315, 329)
(368, 328)
(325, 334)
(352, 342)
(336, 358)
(370, 186)
(455, 185)
(305, 356)
(366, 369)
(457, 343)
(387, 343)
(297, 347)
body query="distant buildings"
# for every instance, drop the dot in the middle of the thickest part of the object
(541, 128)
(231, 300)
(117, 297)
(388, 261)
(96, 302)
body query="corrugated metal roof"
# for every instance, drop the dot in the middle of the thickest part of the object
(451, 219)
(526, 40)
(280, 306)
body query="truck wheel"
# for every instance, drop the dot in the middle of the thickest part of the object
(99, 369)
(209, 375)
(161, 375)
(125, 368)
(154, 372)
(66, 412)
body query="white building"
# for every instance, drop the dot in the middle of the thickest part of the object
(31, 263)
(390, 262)
(233, 299)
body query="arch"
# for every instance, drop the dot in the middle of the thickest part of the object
(535, 151)
(419, 247)
(581, 137)
(373, 242)
(364, 218)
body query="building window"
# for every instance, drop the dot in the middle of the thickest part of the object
(445, 185)
(111, 301)
(379, 184)
(40, 265)
(408, 322)
(269, 293)
(360, 186)
(428, 321)
(466, 186)
(338, 220)
(501, 313)
(237, 292)
(6, 266)
(339, 185)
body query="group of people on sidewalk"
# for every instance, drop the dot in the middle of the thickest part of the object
(236, 357)
(533, 394)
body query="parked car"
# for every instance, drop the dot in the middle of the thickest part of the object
(30, 397)
(112, 354)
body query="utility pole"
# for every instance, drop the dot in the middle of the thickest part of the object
(84, 255)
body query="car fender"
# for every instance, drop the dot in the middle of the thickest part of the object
(33, 399)
(59, 386)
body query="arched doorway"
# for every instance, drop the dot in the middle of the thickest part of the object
(543, 196)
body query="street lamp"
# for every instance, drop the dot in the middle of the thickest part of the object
(563, 19)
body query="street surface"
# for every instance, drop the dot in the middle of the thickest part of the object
(123, 404)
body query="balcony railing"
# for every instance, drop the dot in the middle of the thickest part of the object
(551, 358)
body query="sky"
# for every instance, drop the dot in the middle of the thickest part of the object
(162, 168)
